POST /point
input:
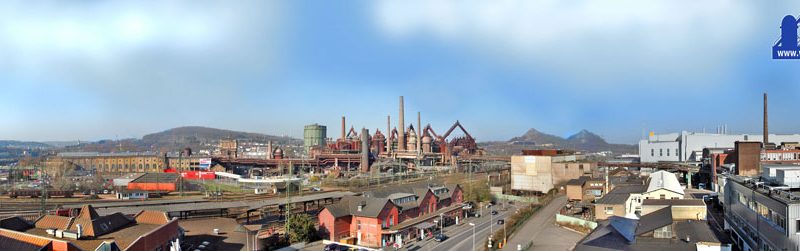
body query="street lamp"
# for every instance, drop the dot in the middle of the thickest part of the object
(473, 235)
(441, 219)
(491, 226)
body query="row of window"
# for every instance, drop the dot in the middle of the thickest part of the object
(661, 152)
(777, 220)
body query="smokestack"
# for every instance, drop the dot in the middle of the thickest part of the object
(364, 150)
(766, 125)
(269, 149)
(388, 133)
(419, 132)
(401, 129)
(343, 129)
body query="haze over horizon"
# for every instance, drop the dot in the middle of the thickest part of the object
(105, 70)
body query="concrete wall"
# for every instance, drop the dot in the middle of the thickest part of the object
(563, 219)
(531, 173)
(565, 171)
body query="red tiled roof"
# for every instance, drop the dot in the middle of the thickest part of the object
(53, 221)
(88, 212)
(151, 217)
(8, 235)
(101, 225)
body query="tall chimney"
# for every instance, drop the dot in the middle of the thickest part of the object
(766, 125)
(343, 129)
(388, 133)
(401, 129)
(364, 150)
(269, 149)
(419, 132)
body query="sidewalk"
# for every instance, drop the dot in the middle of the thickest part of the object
(541, 230)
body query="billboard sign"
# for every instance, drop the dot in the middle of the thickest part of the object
(205, 163)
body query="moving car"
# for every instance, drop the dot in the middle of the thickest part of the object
(494, 212)
(440, 237)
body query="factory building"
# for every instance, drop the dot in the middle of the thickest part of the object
(405, 142)
(688, 146)
(124, 162)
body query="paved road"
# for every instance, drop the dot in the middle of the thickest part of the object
(460, 237)
(542, 230)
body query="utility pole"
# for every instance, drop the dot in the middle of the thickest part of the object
(288, 206)
(43, 183)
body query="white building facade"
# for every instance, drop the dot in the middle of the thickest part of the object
(688, 146)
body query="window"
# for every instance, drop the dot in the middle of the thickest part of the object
(660, 152)
(358, 224)
(664, 232)
(609, 210)
(652, 152)
(797, 225)
(663, 196)
(668, 152)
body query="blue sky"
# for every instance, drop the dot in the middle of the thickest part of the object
(96, 69)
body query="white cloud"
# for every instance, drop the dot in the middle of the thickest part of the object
(116, 43)
(582, 40)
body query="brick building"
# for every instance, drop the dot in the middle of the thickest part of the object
(391, 215)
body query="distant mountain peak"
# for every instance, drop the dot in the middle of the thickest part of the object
(585, 137)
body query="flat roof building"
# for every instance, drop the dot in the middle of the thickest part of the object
(762, 214)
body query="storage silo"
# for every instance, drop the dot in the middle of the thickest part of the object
(314, 135)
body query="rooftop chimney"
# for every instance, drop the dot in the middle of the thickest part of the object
(766, 125)
(401, 129)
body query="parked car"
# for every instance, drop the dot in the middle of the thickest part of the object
(494, 212)
(440, 237)
(501, 222)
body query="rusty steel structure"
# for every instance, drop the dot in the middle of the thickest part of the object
(355, 151)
